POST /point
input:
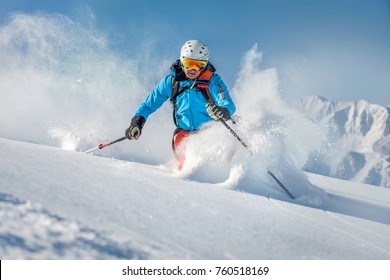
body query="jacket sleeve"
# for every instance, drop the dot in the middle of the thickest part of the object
(156, 98)
(220, 94)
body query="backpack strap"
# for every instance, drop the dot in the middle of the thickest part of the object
(203, 84)
(176, 90)
(177, 76)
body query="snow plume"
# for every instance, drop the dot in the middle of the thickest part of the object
(62, 84)
(280, 137)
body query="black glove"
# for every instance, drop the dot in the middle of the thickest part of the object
(217, 112)
(135, 129)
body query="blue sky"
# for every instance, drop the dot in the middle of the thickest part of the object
(337, 48)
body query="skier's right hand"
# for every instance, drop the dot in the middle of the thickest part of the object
(135, 129)
(217, 112)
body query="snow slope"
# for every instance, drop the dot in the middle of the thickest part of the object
(57, 204)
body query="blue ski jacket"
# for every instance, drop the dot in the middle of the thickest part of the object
(190, 105)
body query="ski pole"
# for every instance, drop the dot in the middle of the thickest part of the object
(281, 185)
(101, 146)
(233, 133)
(246, 146)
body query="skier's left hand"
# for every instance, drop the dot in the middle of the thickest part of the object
(217, 112)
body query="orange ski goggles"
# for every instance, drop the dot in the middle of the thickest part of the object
(198, 65)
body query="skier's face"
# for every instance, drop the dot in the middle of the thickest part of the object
(191, 73)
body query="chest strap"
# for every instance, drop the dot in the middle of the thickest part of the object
(202, 83)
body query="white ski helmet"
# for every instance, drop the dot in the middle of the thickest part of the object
(194, 49)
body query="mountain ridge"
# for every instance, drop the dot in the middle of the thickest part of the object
(358, 144)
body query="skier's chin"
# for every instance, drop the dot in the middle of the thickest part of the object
(192, 74)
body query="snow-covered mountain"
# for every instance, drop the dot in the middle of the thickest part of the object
(358, 146)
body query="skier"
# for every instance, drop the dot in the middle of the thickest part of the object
(197, 93)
